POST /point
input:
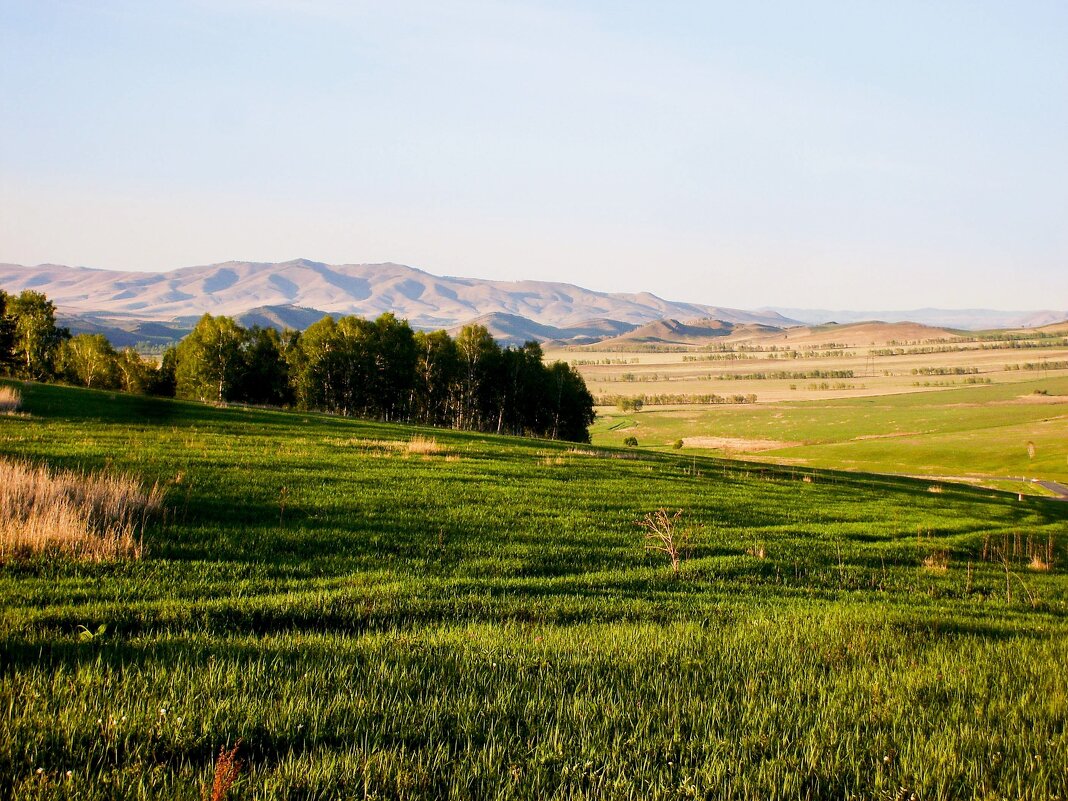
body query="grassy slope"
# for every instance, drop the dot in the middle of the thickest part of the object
(482, 622)
(981, 430)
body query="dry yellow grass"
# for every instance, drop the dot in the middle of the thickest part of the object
(1039, 563)
(10, 400)
(417, 446)
(423, 445)
(82, 515)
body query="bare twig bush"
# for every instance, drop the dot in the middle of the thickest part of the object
(758, 551)
(86, 516)
(227, 769)
(10, 400)
(937, 561)
(663, 534)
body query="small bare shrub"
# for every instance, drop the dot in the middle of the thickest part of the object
(227, 769)
(83, 515)
(757, 551)
(10, 400)
(937, 562)
(936, 488)
(663, 534)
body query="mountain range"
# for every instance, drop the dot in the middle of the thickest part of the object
(425, 300)
(156, 308)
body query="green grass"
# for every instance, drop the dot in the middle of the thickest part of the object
(974, 431)
(482, 622)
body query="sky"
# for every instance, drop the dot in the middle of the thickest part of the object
(853, 154)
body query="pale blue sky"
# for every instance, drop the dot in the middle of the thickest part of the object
(830, 154)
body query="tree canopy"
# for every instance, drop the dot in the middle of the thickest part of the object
(378, 369)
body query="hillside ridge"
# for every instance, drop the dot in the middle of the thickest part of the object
(426, 300)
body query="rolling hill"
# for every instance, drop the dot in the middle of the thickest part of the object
(427, 301)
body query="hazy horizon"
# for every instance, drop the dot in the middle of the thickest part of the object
(831, 156)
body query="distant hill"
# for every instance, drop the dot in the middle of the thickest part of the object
(862, 334)
(967, 319)
(674, 332)
(425, 300)
(511, 329)
(1052, 328)
(123, 332)
(702, 332)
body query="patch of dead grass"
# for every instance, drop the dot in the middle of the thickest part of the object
(10, 400)
(89, 516)
(738, 444)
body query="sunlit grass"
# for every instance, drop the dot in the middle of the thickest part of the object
(480, 618)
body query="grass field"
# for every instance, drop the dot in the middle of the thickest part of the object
(378, 611)
(970, 432)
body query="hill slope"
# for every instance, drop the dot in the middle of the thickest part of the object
(433, 614)
(367, 289)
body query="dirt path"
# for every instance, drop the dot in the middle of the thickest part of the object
(1058, 489)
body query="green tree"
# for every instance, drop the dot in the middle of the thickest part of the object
(135, 375)
(479, 356)
(162, 379)
(570, 404)
(264, 374)
(336, 366)
(395, 357)
(36, 337)
(437, 374)
(7, 333)
(209, 360)
(522, 390)
(88, 360)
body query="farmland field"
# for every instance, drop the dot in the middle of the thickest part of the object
(987, 407)
(380, 611)
(1006, 430)
(822, 362)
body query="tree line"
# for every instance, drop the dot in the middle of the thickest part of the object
(379, 369)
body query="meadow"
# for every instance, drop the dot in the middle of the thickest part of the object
(983, 433)
(383, 611)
